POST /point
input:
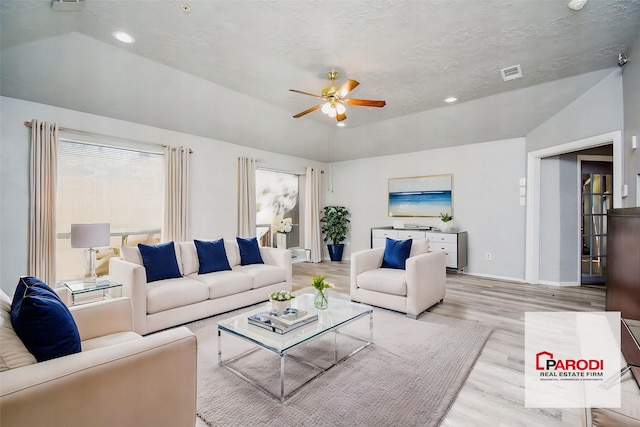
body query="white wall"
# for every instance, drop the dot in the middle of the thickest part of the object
(598, 111)
(485, 199)
(214, 175)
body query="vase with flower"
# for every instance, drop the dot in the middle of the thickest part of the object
(282, 227)
(320, 284)
(280, 301)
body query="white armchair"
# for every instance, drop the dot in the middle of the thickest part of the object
(421, 285)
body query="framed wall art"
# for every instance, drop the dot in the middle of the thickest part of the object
(427, 196)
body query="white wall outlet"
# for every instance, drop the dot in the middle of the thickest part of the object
(487, 256)
(523, 191)
(523, 181)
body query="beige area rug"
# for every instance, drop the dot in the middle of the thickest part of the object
(410, 376)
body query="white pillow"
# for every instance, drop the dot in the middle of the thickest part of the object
(419, 246)
(13, 353)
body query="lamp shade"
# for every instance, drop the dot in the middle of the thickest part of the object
(90, 235)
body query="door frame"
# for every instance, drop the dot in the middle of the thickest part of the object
(534, 158)
(587, 158)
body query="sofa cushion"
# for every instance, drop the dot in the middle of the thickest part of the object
(211, 256)
(249, 251)
(171, 293)
(131, 254)
(263, 274)
(13, 353)
(223, 283)
(159, 261)
(42, 321)
(233, 252)
(386, 280)
(418, 247)
(396, 253)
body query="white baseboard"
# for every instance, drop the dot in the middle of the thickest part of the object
(559, 284)
(491, 276)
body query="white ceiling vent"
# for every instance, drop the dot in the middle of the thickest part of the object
(511, 73)
(68, 5)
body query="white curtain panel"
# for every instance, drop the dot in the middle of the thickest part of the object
(176, 221)
(312, 236)
(43, 165)
(246, 197)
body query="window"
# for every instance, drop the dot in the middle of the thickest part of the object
(276, 198)
(105, 184)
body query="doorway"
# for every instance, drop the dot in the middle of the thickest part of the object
(596, 200)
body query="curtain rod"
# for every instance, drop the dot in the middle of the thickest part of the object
(82, 132)
(282, 171)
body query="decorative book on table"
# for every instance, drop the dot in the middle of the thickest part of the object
(290, 320)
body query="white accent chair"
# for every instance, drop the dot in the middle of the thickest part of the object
(420, 286)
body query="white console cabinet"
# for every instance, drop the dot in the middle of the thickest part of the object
(452, 243)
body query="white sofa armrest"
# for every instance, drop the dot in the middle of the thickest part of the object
(101, 318)
(362, 261)
(426, 281)
(150, 381)
(280, 258)
(133, 278)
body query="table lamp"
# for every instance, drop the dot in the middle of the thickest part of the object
(90, 236)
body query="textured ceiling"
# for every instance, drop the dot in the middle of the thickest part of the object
(231, 60)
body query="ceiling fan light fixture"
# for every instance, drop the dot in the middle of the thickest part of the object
(341, 124)
(332, 113)
(340, 108)
(326, 108)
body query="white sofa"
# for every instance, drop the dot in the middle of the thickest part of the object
(118, 379)
(421, 285)
(165, 303)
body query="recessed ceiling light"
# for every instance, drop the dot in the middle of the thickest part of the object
(451, 99)
(123, 37)
(185, 8)
(340, 124)
(577, 4)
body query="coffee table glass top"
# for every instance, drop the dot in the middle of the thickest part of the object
(340, 312)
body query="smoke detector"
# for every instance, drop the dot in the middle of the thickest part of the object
(511, 73)
(577, 4)
(68, 5)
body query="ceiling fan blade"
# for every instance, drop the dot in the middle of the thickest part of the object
(364, 102)
(305, 93)
(347, 87)
(310, 110)
(341, 117)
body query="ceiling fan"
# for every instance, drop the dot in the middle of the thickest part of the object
(335, 99)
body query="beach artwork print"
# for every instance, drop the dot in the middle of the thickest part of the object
(421, 196)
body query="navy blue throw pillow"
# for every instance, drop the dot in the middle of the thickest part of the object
(249, 251)
(212, 256)
(42, 321)
(396, 253)
(159, 261)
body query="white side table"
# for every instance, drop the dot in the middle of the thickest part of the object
(103, 288)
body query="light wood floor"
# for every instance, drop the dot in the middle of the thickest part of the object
(493, 394)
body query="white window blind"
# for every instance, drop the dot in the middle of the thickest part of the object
(105, 184)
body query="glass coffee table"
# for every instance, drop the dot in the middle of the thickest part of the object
(341, 312)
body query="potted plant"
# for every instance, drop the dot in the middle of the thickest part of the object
(334, 228)
(446, 220)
